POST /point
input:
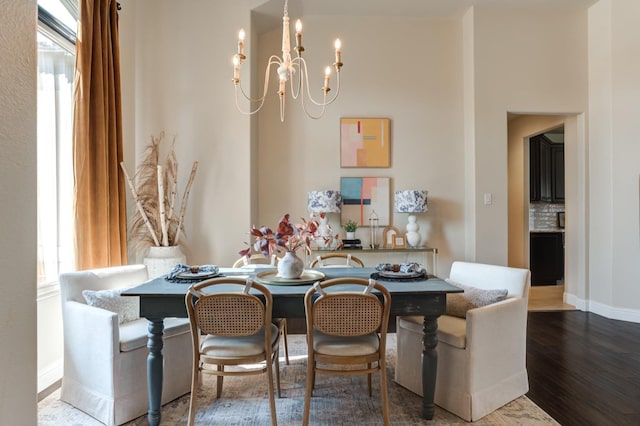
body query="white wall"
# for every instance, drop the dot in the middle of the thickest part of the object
(176, 60)
(614, 170)
(411, 73)
(50, 337)
(18, 192)
(519, 66)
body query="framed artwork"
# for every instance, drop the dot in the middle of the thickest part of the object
(387, 236)
(364, 142)
(361, 196)
(399, 241)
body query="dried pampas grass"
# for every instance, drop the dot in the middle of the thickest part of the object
(158, 220)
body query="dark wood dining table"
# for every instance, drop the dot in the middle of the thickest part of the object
(160, 299)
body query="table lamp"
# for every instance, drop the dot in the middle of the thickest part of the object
(411, 201)
(328, 201)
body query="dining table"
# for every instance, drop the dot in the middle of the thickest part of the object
(424, 296)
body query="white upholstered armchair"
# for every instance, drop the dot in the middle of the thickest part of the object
(105, 359)
(481, 358)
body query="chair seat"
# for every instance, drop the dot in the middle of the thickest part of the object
(451, 330)
(224, 347)
(135, 334)
(325, 344)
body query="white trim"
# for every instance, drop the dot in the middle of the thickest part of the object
(50, 375)
(48, 290)
(611, 312)
(580, 304)
(623, 314)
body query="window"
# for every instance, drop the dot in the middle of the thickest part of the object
(56, 59)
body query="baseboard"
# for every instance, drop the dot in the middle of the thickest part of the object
(48, 391)
(50, 376)
(611, 312)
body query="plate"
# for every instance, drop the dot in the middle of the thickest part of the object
(258, 266)
(309, 276)
(197, 275)
(391, 274)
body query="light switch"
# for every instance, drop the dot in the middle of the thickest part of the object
(487, 199)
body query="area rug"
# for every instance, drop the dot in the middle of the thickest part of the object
(337, 400)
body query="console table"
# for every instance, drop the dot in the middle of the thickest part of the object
(372, 257)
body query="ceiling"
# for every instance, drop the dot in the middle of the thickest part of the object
(269, 14)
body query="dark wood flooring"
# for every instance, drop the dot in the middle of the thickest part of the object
(584, 369)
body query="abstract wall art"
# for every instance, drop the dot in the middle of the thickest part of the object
(361, 196)
(364, 142)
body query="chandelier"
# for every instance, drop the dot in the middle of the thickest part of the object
(287, 67)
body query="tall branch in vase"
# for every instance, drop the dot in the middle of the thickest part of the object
(155, 191)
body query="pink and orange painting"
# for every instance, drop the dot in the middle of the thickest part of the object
(364, 142)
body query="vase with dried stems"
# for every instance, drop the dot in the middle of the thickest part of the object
(157, 226)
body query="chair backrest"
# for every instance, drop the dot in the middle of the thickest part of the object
(484, 276)
(234, 311)
(256, 259)
(344, 260)
(348, 312)
(72, 283)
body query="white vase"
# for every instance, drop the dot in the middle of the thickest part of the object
(413, 237)
(321, 243)
(161, 260)
(351, 235)
(290, 266)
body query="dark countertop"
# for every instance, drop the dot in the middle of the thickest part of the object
(547, 230)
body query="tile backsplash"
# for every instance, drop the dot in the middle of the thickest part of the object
(544, 216)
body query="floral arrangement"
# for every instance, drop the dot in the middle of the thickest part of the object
(159, 216)
(287, 237)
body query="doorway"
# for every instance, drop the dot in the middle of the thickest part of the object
(536, 197)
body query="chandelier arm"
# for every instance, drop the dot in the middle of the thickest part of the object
(324, 102)
(314, 117)
(297, 61)
(274, 60)
(249, 112)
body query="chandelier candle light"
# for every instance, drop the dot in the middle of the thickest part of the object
(411, 201)
(287, 67)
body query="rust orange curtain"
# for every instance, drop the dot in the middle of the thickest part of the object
(100, 203)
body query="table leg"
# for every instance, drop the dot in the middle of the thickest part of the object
(429, 365)
(435, 261)
(154, 370)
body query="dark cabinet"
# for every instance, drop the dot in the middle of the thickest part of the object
(546, 170)
(546, 260)
(557, 173)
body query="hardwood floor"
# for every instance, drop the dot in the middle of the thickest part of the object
(584, 369)
(548, 298)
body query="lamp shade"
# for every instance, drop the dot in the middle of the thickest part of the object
(411, 201)
(324, 201)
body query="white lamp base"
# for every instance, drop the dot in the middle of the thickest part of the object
(323, 231)
(413, 237)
